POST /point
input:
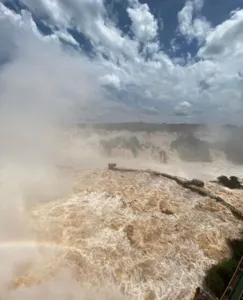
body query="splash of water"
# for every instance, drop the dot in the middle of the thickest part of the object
(129, 234)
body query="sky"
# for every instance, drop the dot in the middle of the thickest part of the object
(123, 60)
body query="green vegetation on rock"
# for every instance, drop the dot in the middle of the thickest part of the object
(219, 276)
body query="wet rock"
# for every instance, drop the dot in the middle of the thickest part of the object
(195, 182)
(112, 166)
(236, 182)
(231, 182)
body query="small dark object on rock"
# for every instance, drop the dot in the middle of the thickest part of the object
(112, 166)
(232, 182)
(195, 182)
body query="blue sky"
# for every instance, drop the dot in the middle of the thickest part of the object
(130, 60)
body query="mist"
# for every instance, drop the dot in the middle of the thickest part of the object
(44, 88)
(63, 225)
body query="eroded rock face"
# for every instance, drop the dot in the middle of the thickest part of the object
(191, 148)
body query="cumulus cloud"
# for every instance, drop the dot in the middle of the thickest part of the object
(88, 17)
(66, 37)
(42, 77)
(150, 110)
(198, 4)
(190, 27)
(132, 71)
(111, 80)
(226, 40)
(144, 25)
(43, 85)
(182, 109)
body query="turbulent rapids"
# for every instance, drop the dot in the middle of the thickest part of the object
(70, 228)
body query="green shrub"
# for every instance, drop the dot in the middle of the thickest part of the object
(214, 282)
(237, 249)
(219, 276)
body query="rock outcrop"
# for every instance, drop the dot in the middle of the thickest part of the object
(195, 182)
(231, 182)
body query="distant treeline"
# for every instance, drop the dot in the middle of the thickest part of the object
(152, 127)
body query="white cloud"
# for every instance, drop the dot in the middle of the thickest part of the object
(185, 104)
(43, 79)
(66, 37)
(111, 80)
(182, 109)
(4, 12)
(192, 28)
(50, 10)
(89, 17)
(198, 4)
(141, 80)
(152, 48)
(150, 110)
(226, 39)
(144, 25)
